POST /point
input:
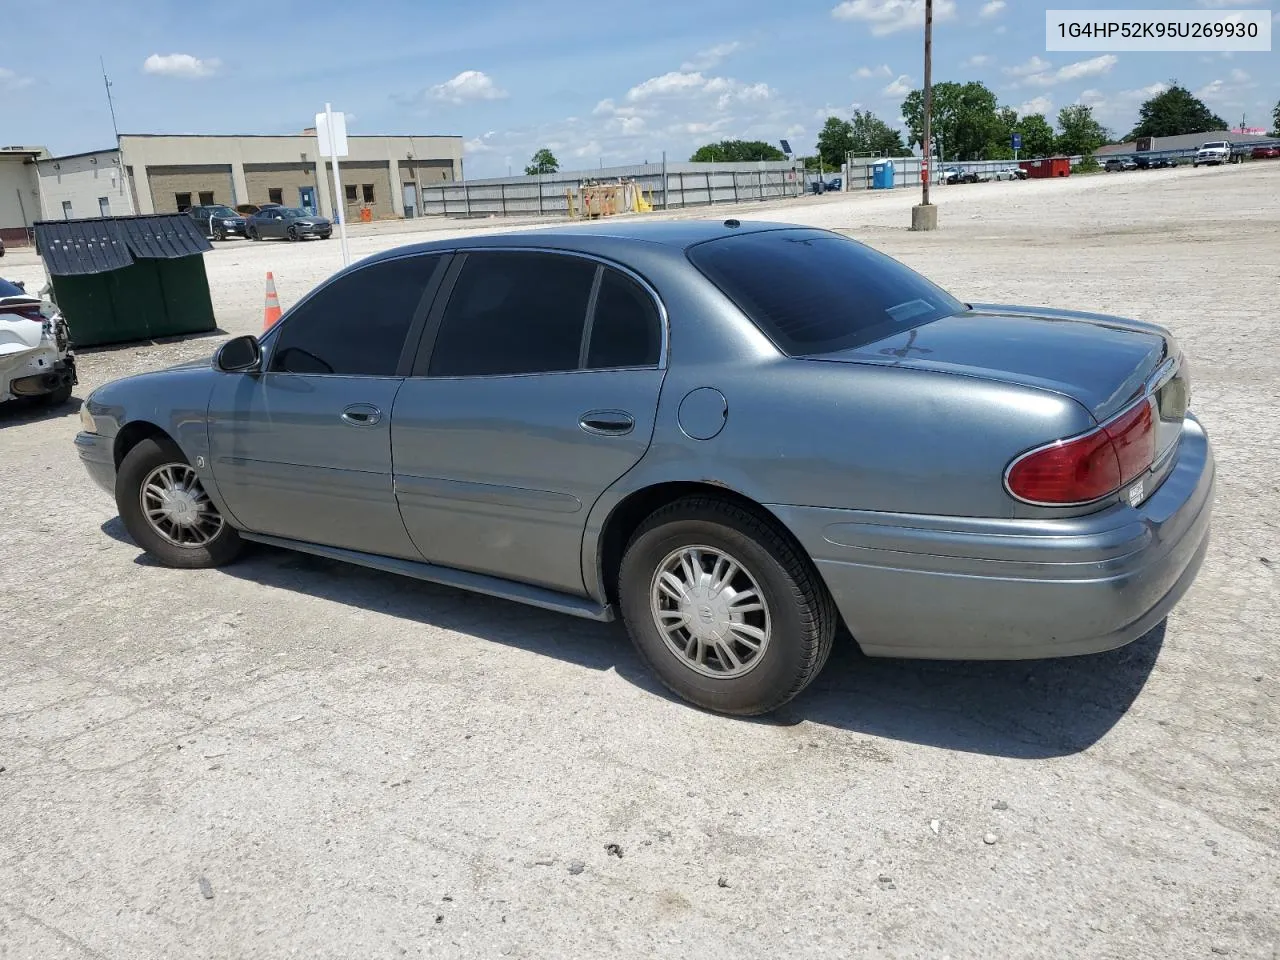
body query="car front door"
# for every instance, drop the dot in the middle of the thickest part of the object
(303, 450)
(536, 387)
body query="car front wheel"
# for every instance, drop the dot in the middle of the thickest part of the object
(167, 511)
(724, 608)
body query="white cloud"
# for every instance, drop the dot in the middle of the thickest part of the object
(11, 80)
(468, 86)
(977, 60)
(180, 65)
(865, 73)
(1032, 66)
(992, 8)
(710, 57)
(899, 88)
(591, 148)
(481, 144)
(890, 16)
(1239, 76)
(669, 84)
(1037, 72)
(1035, 105)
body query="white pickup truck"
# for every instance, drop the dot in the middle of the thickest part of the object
(1213, 153)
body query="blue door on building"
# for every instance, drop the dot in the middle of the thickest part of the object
(307, 199)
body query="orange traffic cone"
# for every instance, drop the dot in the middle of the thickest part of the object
(272, 312)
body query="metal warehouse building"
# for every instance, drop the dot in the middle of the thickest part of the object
(160, 173)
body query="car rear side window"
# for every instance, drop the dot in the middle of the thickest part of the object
(813, 293)
(626, 330)
(513, 313)
(356, 326)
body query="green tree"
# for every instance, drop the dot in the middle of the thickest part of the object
(1081, 133)
(870, 134)
(1037, 137)
(544, 161)
(965, 119)
(835, 141)
(737, 151)
(1275, 120)
(1174, 112)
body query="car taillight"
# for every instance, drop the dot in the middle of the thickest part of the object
(1089, 467)
(30, 311)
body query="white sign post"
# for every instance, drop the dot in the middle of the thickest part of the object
(331, 133)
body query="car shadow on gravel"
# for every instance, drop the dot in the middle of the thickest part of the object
(1018, 709)
(24, 411)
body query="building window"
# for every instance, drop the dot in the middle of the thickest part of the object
(275, 195)
(66, 209)
(104, 206)
(350, 190)
(183, 201)
(206, 198)
(368, 192)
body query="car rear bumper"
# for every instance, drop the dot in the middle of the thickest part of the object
(989, 589)
(97, 454)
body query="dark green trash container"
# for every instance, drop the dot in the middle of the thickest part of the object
(124, 279)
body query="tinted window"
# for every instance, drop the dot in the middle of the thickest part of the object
(514, 313)
(626, 330)
(813, 293)
(356, 326)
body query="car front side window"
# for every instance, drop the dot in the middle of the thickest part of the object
(356, 326)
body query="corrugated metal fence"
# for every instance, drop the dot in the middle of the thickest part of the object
(687, 185)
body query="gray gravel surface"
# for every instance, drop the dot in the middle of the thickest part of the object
(291, 757)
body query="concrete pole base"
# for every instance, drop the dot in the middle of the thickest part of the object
(924, 217)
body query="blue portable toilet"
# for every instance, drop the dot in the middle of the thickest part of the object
(882, 175)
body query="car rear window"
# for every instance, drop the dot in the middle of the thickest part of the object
(813, 292)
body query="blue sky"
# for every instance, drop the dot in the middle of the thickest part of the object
(593, 85)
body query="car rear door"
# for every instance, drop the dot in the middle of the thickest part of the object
(536, 387)
(303, 450)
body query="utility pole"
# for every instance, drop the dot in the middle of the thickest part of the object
(924, 216)
(124, 171)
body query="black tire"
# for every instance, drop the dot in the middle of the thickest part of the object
(137, 465)
(803, 616)
(293, 234)
(56, 398)
(219, 235)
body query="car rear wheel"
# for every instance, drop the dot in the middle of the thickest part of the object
(167, 511)
(724, 608)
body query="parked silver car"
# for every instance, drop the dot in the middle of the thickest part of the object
(287, 223)
(737, 436)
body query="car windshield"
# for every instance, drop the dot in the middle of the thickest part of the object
(813, 292)
(8, 289)
(222, 212)
(288, 211)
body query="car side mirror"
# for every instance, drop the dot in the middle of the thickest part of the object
(239, 355)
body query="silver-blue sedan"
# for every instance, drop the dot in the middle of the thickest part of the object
(739, 437)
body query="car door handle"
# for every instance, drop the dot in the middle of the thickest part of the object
(362, 414)
(608, 423)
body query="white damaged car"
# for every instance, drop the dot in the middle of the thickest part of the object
(36, 359)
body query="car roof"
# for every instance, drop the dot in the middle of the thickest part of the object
(676, 235)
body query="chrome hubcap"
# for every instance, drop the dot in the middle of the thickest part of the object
(710, 611)
(177, 507)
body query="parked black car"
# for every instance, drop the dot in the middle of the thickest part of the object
(218, 221)
(291, 223)
(1155, 163)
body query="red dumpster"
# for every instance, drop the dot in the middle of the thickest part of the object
(1053, 167)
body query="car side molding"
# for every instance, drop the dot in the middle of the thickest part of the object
(449, 577)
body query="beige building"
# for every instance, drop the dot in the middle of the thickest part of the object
(168, 174)
(384, 174)
(19, 192)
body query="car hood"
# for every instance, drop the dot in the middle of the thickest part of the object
(1101, 361)
(311, 221)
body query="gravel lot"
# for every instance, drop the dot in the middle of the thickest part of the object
(290, 757)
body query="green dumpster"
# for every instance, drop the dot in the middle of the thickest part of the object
(123, 279)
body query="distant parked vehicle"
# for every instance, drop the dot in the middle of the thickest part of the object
(1120, 164)
(287, 223)
(1155, 163)
(218, 221)
(1008, 173)
(1213, 153)
(1258, 153)
(1, 246)
(956, 175)
(36, 359)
